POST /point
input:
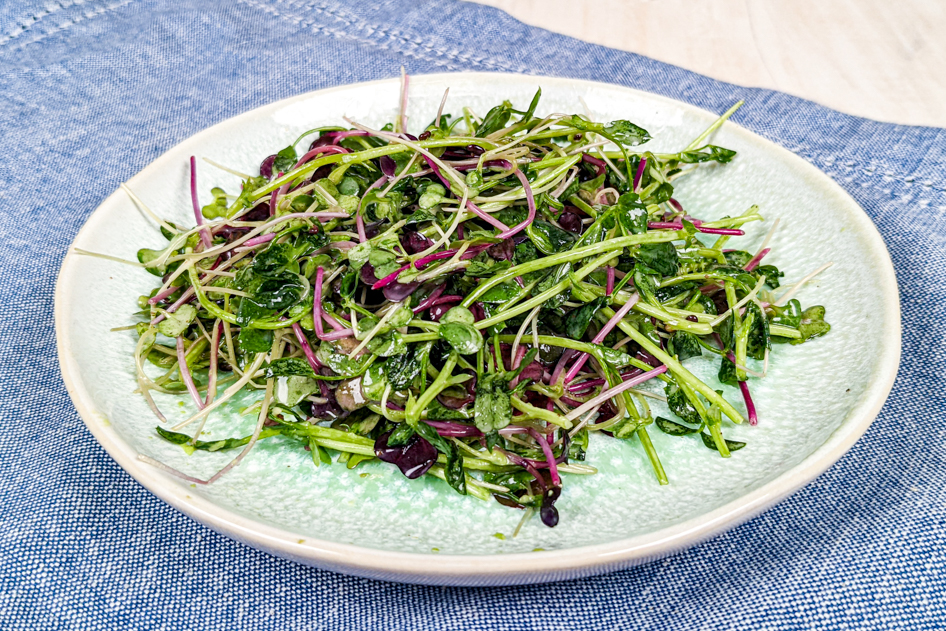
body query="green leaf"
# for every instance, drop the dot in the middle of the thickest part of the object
(532, 106)
(458, 314)
(625, 133)
(495, 119)
(684, 345)
(387, 344)
(273, 259)
(727, 373)
(176, 323)
(484, 266)
(673, 428)
(622, 132)
(771, 273)
(436, 411)
(812, 325)
(400, 435)
(789, 315)
(289, 367)
(255, 340)
(738, 258)
(454, 467)
(615, 357)
(492, 409)
(375, 381)
(401, 370)
(759, 339)
(680, 405)
(285, 160)
(433, 195)
(340, 363)
(627, 428)
(707, 153)
(291, 390)
(646, 284)
(149, 258)
(216, 208)
(558, 274)
(658, 258)
(215, 445)
(631, 214)
(578, 320)
(733, 445)
(464, 338)
(549, 239)
(658, 194)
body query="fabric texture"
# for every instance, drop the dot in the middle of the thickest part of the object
(91, 91)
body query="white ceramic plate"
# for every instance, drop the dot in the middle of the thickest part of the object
(816, 401)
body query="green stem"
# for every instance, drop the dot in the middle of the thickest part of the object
(574, 200)
(530, 411)
(675, 367)
(780, 330)
(545, 296)
(652, 455)
(656, 236)
(471, 488)
(664, 314)
(716, 125)
(413, 412)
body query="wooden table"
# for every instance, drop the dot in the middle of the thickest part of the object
(882, 59)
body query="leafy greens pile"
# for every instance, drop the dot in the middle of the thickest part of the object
(470, 303)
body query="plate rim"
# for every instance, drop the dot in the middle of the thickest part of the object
(516, 568)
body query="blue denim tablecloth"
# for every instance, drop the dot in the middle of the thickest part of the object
(91, 91)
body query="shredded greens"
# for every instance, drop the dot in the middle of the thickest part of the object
(470, 303)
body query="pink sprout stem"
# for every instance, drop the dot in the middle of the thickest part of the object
(755, 260)
(560, 366)
(618, 389)
(617, 317)
(261, 239)
(359, 220)
(750, 406)
(212, 370)
(204, 233)
(407, 81)
(529, 200)
(331, 149)
(454, 429)
(485, 216)
(161, 295)
(390, 278)
(428, 302)
(318, 314)
(672, 225)
(589, 384)
(610, 284)
(317, 302)
(639, 174)
(549, 456)
(274, 197)
(186, 374)
(306, 349)
(186, 297)
(600, 167)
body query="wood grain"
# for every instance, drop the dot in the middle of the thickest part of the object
(881, 59)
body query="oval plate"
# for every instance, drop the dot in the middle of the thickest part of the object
(816, 401)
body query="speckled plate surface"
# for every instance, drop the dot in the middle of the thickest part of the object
(816, 401)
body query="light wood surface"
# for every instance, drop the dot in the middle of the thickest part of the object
(882, 59)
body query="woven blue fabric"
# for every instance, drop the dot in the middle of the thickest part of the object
(91, 91)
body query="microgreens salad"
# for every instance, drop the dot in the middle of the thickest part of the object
(470, 303)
